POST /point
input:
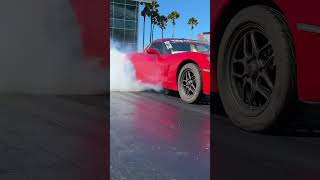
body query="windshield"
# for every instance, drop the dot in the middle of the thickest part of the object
(186, 46)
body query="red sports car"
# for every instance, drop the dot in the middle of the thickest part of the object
(176, 64)
(267, 58)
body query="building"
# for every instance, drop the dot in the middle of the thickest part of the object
(124, 16)
(204, 37)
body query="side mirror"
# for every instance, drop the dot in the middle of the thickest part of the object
(153, 51)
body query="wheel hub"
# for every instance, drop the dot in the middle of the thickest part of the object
(253, 68)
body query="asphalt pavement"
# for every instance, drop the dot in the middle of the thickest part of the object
(152, 136)
(158, 137)
(53, 137)
(291, 153)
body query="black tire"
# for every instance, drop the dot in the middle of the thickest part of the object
(190, 91)
(267, 73)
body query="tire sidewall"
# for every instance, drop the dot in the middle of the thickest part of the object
(273, 29)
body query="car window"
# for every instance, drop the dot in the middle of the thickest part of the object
(165, 50)
(199, 47)
(178, 46)
(158, 46)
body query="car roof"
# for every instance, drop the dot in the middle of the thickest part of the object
(184, 39)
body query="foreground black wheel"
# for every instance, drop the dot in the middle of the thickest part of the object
(256, 71)
(189, 83)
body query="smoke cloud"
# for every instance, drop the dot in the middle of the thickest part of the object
(122, 73)
(41, 50)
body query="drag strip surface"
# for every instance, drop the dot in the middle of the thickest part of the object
(156, 136)
(291, 154)
(53, 137)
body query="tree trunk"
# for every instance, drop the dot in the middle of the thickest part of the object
(152, 32)
(161, 33)
(191, 32)
(144, 30)
(173, 31)
(150, 29)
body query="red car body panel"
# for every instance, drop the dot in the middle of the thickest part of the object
(164, 69)
(307, 44)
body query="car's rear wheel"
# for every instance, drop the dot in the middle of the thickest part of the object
(256, 70)
(190, 83)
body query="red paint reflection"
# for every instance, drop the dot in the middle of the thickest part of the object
(204, 135)
(156, 120)
(164, 122)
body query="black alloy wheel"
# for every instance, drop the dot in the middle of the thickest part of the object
(256, 69)
(190, 83)
(252, 68)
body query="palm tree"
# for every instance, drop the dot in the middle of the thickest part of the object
(193, 22)
(144, 13)
(153, 13)
(154, 21)
(173, 16)
(162, 23)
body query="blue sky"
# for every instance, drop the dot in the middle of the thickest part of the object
(187, 8)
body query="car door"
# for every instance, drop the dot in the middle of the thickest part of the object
(304, 19)
(147, 66)
(308, 47)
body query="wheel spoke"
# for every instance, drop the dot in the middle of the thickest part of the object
(245, 48)
(270, 58)
(243, 65)
(236, 48)
(184, 77)
(240, 76)
(263, 93)
(187, 90)
(189, 75)
(236, 61)
(192, 90)
(242, 89)
(264, 48)
(252, 92)
(192, 85)
(253, 43)
(267, 79)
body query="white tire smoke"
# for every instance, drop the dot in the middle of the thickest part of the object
(41, 50)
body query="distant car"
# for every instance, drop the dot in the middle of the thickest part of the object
(267, 59)
(176, 64)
